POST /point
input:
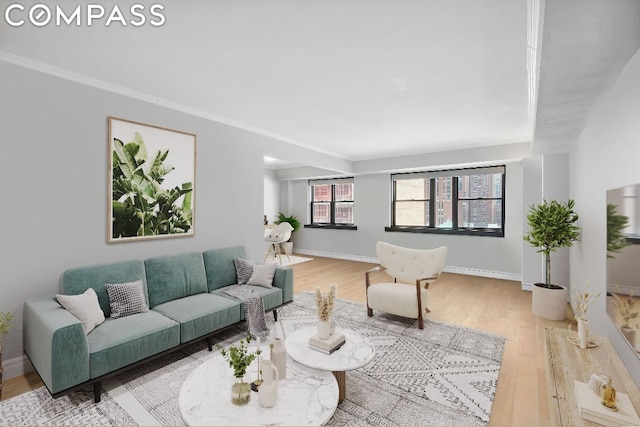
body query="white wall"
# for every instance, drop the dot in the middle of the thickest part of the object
(605, 157)
(271, 195)
(532, 262)
(54, 186)
(471, 254)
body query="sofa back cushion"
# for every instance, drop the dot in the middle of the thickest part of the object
(171, 277)
(77, 280)
(221, 270)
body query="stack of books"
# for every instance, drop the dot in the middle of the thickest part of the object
(591, 409)
(328, 346)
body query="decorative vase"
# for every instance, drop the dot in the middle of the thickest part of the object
(279, 358)
(268, 391)
(609, 395)
(325, 329)
(583, 333)
(596, 382)
(240, 393)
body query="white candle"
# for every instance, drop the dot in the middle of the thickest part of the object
(258, 346)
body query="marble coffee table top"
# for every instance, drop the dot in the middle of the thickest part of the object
(356, 352)
(306, 397)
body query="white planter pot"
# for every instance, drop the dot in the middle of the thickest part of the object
(549, 304)
(288, 247)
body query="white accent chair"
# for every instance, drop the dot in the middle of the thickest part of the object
(276, 237)
(414, 266)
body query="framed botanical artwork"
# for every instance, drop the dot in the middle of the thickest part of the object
(151, 182)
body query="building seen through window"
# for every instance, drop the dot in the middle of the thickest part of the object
(463, 200)
(332, 201)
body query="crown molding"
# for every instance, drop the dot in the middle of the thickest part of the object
(62, 73)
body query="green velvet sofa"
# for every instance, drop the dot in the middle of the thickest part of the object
(183, 292)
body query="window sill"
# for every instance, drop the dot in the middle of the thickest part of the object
(332, 226)
(487, 232)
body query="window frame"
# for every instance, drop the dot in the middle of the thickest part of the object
(332, 224)
(455, 229)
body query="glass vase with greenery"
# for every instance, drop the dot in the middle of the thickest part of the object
(239, 359)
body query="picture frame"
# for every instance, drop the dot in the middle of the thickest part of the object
(151, 182)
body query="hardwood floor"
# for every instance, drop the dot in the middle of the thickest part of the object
(492, 305)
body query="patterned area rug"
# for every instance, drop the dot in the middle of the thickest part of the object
(443, 375)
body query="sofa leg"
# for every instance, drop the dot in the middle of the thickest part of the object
(275, 315)
(210, 343)
(97, 391)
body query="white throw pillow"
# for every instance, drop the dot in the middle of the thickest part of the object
(85, 307)
(262, 275)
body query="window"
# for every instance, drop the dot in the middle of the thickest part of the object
(332, 203)
(461, 201)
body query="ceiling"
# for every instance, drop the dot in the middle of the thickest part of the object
(356, 79)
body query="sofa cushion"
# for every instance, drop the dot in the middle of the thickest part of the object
(272, 298)
(126, 299)
(200, 314)
(220, 268)
(120, 342)
(85, 307)
(175, 276)
(77, 280)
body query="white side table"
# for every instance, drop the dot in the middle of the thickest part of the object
(305, 397)
(356, 352)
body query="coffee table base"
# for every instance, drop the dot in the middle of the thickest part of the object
(341, 377)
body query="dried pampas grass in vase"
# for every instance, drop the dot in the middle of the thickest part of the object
(324, 303)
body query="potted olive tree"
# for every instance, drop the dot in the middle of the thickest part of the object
(295, 223)
(616, 223)
(552, 225)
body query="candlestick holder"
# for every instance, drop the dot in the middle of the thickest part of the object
(255, 385)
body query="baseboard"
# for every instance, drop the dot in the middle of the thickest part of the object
(483, 273)
(622, 289)
(16, 367)
(449, 269)
(336, 255)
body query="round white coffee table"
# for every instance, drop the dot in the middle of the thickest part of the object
(356, 352)
(305, 397)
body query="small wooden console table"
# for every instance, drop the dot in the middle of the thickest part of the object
(566, 362)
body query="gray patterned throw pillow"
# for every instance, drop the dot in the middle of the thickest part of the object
(244, 270)
(126, 299)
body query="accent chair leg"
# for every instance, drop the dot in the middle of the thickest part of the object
(275, 315)
(97, 391)
(369, 312)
